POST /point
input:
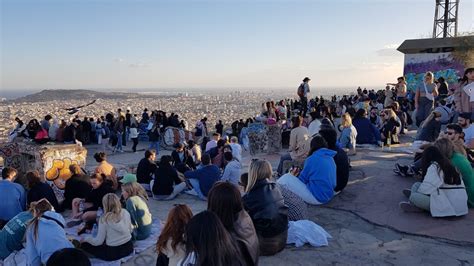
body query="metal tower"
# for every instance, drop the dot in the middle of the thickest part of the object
(446, 19)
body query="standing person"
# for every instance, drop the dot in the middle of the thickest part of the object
(442, 191)
(154, 138)
(388, 97)
(119, 131)
(443, 87)
(424, 98)
(114, 236)
(400, 88)
(209, 243)
(44, 236)
(171, 242)
(467, 88)
(220, 128)
(302, 92)
(12, 195)
(135, 202)
(86, 131)
(266, 206)
(38, 189)
(225, 201)
(133, 134)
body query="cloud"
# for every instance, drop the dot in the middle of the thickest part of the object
(119, 60)
(139, 65)
(389, 50)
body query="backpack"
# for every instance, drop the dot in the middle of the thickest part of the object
(300, 90)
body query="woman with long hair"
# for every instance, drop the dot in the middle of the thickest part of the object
(209, 244)
(13, 233)
(225, 201)
(265, 204)
(348, 134)
(424, 97)
(114, 236)
(171, 241)
(442, 191)
(45, 234)
(390, 125)
(38, 189)
(467, 86)
(135, 202)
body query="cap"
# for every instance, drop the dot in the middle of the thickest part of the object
(128, 178)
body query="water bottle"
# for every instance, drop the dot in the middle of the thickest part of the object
(98, 214)
(94, 230)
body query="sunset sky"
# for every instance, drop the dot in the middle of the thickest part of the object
(209, 44)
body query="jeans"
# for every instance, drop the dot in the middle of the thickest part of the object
(195, 183)
(155, 145)
(119, 147)
(420, 200)
(283, 158)
(424, 109)
(295, 185)
(135, 143)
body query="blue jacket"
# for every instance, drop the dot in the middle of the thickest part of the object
(207, 176)
(51, 238)
(12, 199)
(367, 133)
(319, 174)
(11, 236)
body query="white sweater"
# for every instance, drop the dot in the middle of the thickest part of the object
(114, 234)
(445, 200)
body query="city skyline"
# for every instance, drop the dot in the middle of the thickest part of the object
(102, 44)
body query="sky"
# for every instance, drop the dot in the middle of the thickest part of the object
(134, 44)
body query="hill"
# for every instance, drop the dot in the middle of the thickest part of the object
(49, 95)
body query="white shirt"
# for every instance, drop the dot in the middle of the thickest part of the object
(469, 90)
(468, 134)
(236, 151)
(211, 144)
(314, 127)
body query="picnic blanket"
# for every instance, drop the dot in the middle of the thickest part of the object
(19, 258)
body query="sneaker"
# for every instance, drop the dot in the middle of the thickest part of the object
(407, 192)
(73, 223)
(191, 192)
(396, 171)
(408, 207)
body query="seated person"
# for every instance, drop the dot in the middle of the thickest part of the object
(297, 208)
(217, 153)
(114, 236)
(232, 169)
(389, 131)
(77, 186)
(298, 150)
(106, 168)
(348, 134)
(367, 133)
(213, 142)
(44, 236)
(146, 169)
(182, 158)
(265, 205)
(341, 159)
(166, 185)
(203, 178)
(135, 198)
(69, 256)
(40, 190)
(464, 120)
(429, 129)
(12, 195)
(86, 209)
(13, 233)
(442, 191)
(316, 182)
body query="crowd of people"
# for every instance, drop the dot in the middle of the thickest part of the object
(248, 212)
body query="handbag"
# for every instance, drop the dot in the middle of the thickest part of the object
(428, 95)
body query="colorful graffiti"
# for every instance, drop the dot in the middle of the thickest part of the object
(59, 171)
(441, 64)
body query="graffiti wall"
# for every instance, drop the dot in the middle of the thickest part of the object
(445, 65)
(51, 161)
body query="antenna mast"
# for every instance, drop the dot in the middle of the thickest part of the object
(446, 19)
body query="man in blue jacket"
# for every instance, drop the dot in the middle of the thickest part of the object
(204, 178)
(12, 195)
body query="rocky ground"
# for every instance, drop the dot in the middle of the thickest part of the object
(360, 237)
